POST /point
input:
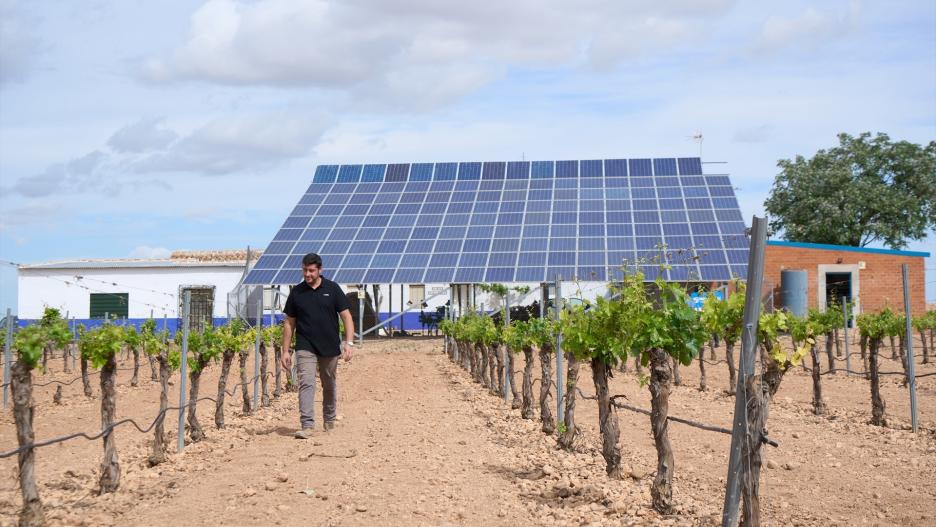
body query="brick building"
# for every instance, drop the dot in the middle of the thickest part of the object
(869, 277)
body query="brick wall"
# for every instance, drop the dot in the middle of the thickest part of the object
(880, 281)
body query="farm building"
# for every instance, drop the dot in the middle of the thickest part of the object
(132, 289)
(811, 275)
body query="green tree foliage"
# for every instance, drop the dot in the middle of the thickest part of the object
(101, 343)
(866, 189)
(52, 330)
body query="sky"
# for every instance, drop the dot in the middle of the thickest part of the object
(134, 128)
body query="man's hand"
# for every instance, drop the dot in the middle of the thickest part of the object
(286, 360)
(346, 351)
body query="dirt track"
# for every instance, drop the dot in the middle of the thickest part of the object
(420, 444)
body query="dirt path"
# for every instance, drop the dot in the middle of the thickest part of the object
(419, 443)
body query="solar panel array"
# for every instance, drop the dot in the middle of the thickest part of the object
(519, 221)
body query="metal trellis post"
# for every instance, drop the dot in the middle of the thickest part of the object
(183, 366)
(256, 387)
(560, 410)
(507, 357)
(845, 332)
(911, 373)
(7, 357)
(752, 305)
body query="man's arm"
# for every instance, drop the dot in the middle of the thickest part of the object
(348, 323)
(289, 325)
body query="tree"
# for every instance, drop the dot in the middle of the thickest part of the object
(866, 189)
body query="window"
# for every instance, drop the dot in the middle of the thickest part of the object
(417, 294)
(201, 308)
(113, 305)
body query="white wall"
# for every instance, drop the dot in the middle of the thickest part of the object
(41, 287)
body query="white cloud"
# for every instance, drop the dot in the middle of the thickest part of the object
(808, 29)
(19, 45)
(142, 136)
(418, 54)
(147, 252)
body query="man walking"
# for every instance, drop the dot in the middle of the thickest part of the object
(312, 311)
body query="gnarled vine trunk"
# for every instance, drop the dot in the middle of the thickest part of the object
(567, 438)
(759, 391)
(245, 393)
(154, 372)
(732, 371)
(818, 403)
(878, 415)
(110, 466)
(264, 384)
(497, 369)
(511, 369)
(702, 383)
(925, 346)
(277, 370)
(545, 400)
(227, 357)
(291, 384)
(65, 351)
(135, 380)
(46, 351)
(828, 349)
(31, 514)
(195, 430)
(607, 419)
(661, 378)
(677, 377)
(893, 346)
(526, 407)
(159, 436)
(863, 343)
(903, 360)
(835, 339)
(85, 379)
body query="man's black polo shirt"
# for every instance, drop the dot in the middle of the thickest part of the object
(316, 313)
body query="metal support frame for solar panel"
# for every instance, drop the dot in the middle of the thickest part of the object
(518, 221)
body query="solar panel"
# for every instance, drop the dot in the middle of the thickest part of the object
(517, 221)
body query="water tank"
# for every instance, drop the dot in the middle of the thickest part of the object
(793, 284)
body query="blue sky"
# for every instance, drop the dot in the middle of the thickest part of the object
(134, 128)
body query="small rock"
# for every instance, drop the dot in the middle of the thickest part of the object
(361, 508)
(795, 435)
(282, 477)
(792, 465)
(250, 491)
(269, 485)
(771, 464)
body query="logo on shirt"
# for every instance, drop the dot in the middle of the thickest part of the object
(325, 294)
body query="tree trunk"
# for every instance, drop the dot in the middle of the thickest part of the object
(732, 372)
(568, 435)
(195, 430)
(159, 437)
(835, 337)
(893, 346)
(483, 369)
(226, 359)
(511, 369)
(46, 351)
(245, 393)
(57, 397)
(607, 420)
(264, 385)
(878, 416)
(545, 399)
(31, 514)
(526, 407)
(85, 379)
(702, 384)
(925, 346)
(277, 370)
(818, 403)
(135, 380)
(829, 354)
(677, 377)
(638, 366)
(715, 343)
(110, 466)
(863, 344)
(660, 381)
(497, 370)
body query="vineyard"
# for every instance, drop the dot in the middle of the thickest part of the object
(430, 437)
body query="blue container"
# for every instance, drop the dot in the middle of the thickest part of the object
(793, 287)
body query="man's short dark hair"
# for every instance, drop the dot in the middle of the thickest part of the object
(312, 259)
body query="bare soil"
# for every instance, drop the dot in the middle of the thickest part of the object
(418, 443)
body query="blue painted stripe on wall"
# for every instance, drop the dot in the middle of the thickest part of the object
(830, 247)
